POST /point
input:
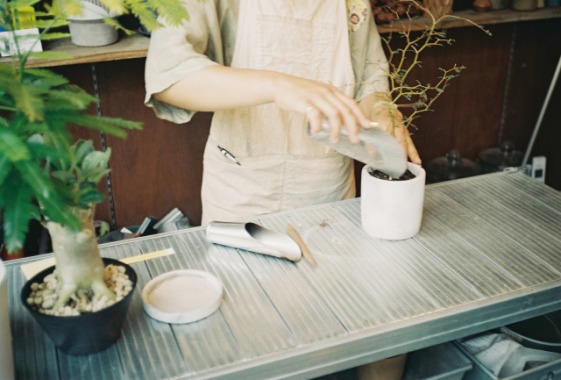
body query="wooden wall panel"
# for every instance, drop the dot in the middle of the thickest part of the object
(497, 97)
(467, 116)
(81, 75)
(158, 168)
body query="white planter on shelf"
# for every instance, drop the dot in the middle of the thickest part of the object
(90, 29)
(392, 210)
(6, 356)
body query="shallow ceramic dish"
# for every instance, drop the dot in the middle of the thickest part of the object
(182, 296)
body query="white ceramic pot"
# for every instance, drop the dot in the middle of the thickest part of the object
(392, 210)
(90, 29)
(6, 356)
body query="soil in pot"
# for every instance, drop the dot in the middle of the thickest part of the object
(85, 333)
(378, 174)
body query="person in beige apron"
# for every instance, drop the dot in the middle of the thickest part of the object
(259, 158)
(281, 66)
(280, 166)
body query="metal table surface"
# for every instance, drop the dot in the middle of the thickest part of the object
(488, 254)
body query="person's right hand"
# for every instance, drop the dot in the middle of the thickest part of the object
(320, 101)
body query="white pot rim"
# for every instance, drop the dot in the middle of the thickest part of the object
(417, 170)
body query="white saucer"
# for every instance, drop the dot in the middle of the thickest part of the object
(182, 296)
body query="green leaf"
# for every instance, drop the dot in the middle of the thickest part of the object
(113, 126)
(94, 166)
(90, 196)
(173, 12)
(63, 176)
(5, 168)
(52, 204)
(45, 80)
(54, 36)
(44, 154)
(82, 148)
(12, 146)
(69, 98)
(116, 6)
(22, 3)
(18, 211)
(27, 100)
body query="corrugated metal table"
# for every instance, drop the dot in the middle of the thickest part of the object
(488, 254)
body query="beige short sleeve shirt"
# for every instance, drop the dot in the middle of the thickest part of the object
(209, 38)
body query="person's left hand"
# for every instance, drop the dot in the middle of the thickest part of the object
(388, 117)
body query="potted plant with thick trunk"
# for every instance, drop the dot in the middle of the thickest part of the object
(391, 208)
(46, 175)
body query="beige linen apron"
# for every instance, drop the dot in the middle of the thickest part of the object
(281, 167)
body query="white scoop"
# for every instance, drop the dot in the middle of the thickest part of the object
(253, 237)
(377, 149)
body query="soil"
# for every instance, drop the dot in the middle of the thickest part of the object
(378, 174)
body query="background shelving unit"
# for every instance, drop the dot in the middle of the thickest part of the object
(136, 46)
(498, 97)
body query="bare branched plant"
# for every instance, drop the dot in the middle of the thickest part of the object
(408, 94)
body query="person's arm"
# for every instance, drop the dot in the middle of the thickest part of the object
(219, 87)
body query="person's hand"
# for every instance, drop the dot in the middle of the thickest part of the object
(388, 118)
(321, 101)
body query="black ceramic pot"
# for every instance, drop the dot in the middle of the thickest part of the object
(87, 333)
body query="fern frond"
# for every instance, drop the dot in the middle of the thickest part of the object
(116, 6)
(5, 168)
(19, 209)
(12, 147)
(54, 36)
(52, 205)
(113, 126)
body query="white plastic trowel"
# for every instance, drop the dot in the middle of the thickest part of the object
(377, 149)
(253, 237)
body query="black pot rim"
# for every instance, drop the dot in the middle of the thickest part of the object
(68, 334)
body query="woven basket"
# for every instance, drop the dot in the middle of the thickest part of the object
(439, 8)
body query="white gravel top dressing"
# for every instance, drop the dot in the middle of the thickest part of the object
(44, 295)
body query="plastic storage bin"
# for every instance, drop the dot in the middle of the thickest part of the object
(549, 371)
(440, 362)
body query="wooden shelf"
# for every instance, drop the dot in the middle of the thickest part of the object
(128, 47)
(136, 46)
(484, 18)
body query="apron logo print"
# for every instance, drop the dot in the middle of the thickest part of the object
(357, 12)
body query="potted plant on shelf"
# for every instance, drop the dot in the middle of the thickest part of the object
(391, 208)
(45, 174)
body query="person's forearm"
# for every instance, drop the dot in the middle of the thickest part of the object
(218, 87)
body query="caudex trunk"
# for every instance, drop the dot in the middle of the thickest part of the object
(80, 269)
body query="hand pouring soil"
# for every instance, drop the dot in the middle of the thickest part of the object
(377, 149)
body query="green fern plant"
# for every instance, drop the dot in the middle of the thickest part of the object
(44, 173)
